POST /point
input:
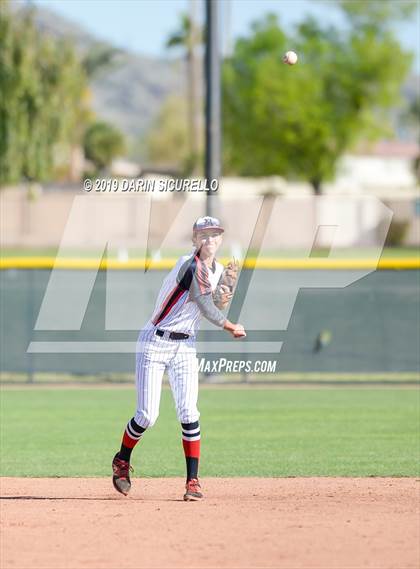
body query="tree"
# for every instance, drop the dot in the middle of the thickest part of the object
(42, 82)
(167, 140)
(187, 37)
(377, 14)
(413, 118)
(102, 143)
(297, 121)
(99, 58)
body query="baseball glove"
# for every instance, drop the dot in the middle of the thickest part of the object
(226, 285)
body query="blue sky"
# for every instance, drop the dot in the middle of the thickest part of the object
(142, 26)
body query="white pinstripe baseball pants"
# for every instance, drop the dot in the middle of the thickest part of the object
(156, 354)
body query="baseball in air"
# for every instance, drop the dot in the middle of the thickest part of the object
(290, 58)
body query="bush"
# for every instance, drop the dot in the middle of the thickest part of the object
(102, 143)
(397, 233)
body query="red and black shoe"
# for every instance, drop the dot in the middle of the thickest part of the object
(193, 491)
(121, 478)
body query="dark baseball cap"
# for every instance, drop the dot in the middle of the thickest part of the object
(207, 222)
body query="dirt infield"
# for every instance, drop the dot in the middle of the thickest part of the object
(323, 523)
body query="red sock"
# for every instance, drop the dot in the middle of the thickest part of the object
(191, 444)
(131, 437)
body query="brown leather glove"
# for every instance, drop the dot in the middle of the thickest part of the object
(224, 290)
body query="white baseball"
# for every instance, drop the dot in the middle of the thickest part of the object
(290, 57)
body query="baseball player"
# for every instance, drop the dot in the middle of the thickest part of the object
(197, 286)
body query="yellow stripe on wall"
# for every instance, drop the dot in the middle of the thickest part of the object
(164, 264)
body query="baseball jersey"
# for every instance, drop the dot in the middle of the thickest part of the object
(175, 308)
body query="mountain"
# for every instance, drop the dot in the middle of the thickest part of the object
(131, 92)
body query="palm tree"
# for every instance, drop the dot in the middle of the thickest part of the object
(187, 37)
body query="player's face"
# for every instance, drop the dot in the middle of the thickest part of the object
(208, 241)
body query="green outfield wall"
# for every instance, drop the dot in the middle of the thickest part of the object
(371, 326)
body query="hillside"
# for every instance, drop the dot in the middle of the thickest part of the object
(129, 94)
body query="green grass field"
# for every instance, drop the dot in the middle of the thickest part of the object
(245, 432)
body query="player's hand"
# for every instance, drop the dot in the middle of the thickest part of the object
(238, 331)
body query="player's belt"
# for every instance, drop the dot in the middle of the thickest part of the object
(172, 335)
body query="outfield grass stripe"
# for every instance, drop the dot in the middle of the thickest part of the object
(264, 432)
(7, 378)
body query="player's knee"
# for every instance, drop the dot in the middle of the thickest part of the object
(186, 415)
(146, 419)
